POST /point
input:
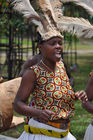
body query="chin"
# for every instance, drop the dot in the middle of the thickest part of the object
(58, 59)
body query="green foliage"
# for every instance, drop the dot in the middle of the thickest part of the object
(81, 119)
(68, 37)
(3, 17)
(10, 19)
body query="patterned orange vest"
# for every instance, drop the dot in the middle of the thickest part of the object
(53, 92)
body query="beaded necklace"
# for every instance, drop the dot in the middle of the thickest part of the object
(46, 66)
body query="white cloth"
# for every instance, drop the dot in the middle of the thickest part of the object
(89, 133)
(33, 123)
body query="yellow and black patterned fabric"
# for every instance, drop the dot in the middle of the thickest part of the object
(53, 92)
(41, 131)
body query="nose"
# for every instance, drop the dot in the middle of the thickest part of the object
(58, 46)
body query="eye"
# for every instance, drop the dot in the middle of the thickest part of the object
(52, 43)
(60, 42)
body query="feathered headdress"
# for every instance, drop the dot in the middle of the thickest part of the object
(46, 24)
(52, 23)
(86, 4)
(79, 26)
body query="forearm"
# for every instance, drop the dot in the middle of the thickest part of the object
(23, 109)
(41, 115)
(88, 106)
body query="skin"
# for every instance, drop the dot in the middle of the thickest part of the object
(1, 79)
(89, 91)
(51, 53)
(30, 62)
(35, 60)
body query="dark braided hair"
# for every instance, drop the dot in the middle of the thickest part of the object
(39, 39)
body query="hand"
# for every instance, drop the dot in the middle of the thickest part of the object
(44, 115)
(82, 96)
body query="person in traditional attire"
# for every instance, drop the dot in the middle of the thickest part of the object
(52, 97)
(36, 59)
(89, 107)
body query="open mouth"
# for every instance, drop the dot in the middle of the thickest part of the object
(58, 54)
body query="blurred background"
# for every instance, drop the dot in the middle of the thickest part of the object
(18, 43)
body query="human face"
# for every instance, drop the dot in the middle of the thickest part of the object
(52, 49)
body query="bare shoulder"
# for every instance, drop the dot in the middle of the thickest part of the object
(29, 75)
(32, 61)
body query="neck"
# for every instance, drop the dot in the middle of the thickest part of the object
(49, 65)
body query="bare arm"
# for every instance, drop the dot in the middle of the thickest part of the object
(89, 90)
(88, 106)
(25, 89)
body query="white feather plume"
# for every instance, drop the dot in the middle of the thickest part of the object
(53, 16)
(24, 7)
(48, 12)
(86, 4)
(56, 9)
(77, 26)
